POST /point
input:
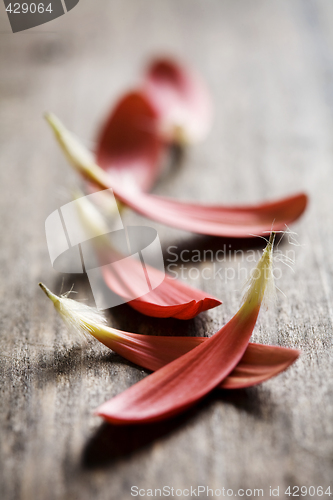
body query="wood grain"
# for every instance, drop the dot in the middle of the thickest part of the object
(269, 66)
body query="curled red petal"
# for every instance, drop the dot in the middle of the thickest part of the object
(129, 145)
(171, 299)
(145, 288)
(180, 98)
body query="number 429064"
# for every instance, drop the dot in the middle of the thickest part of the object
(24, 8)
(311, 491)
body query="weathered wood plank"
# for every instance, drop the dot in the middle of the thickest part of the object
(269, 66)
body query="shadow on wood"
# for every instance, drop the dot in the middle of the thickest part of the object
(111, 442)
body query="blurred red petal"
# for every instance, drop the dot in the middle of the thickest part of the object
(235, 222)
(129, 145)
(180, 98)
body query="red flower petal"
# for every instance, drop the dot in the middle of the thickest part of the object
(184, 381)
(173, 100)
(167, 298)
(129, 144)
(259, 362)
(171, 299)
(235, 222)
(180, 98)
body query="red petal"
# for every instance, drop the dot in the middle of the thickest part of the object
(236, 222)
(129, 144)
(171, 299)
(184, 381)
(259, 362)
(180, 98)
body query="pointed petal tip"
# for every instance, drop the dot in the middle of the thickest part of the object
(296, 352)
(56, 125)
(195, 307)
(45, 289)
(207, 303)
(48, 293)
(210, 302)
(102, 411)
(52, 120)
(299, 203)
(185, 311)
(303, 200)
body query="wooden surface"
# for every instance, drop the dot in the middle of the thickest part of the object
(269, 65)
